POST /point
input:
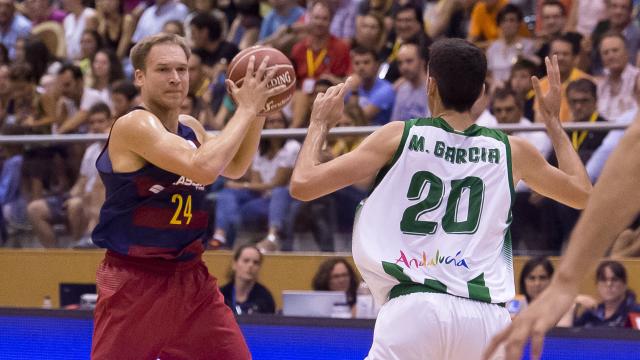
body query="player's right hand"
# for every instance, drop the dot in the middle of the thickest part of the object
(254, 92)
(532, 324)
(549, 102)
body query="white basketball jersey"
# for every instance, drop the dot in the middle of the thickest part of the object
(439, 215)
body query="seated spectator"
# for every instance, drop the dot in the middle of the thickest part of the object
(105, 70)
(509, 46)
(208, 40)
(123, 97)
(483, 26)
(411, 92)
(79, 18)
(370, 33)
(76, 99)
(115, 26)
(343, 24)
(39, 58)
(245, 28)
(175, 27)
(319, 54)
(567, 51)
(90, 43)
(71, 208)
(585, 15)
(39, 11)
(336, 274)
(374, 96)
(520, 83)
(264, 196)
(223, 11)
(13, 200)
(283, 14)
(14, 26)
(243, 293)
(534, 278)
(155, 16)
(619, 88)
(620, 19)
(617, 299)
(408, 26)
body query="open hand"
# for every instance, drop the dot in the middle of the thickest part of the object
(549, 103)
(328, 106)
(254, 92)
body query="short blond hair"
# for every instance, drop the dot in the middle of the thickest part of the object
(141, 50)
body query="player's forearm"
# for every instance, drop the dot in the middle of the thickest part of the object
(568, 160)
(310, 156)
(244, 156)
(215, 154)
(614, 202)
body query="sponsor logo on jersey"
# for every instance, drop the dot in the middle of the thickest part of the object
(456, 155)
(156, 188)
(438, 259)
(184, 181)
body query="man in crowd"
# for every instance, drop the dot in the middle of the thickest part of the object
(411, 94)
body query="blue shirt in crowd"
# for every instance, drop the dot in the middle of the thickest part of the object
(273, 21)
(20, 28)
(382, 96)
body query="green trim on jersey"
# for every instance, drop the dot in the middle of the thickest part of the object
(477, 289)
(385, 169)
(408, 286)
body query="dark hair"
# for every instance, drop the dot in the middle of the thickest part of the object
(126, 88)
(557, 3)
(575, 45)
(361, 50)
(100, 108)
(459, 69)
(616, 268)
(75, 70)
(324, 3)
(322, 277)
(524, 64)
(612, 34)
(528, 267)
(505, 92)
(583, 86)
(37, 54)
(207, 21)
(141, 50)
(236, 255)
(97, 37)
(410, 6)
(509, 9)
(4, 54)
(21, 72)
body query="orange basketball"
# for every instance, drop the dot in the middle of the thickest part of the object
(285, 74)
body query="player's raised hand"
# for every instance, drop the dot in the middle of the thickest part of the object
(328, 106)
(254, 91)
(549, 102)
(532, 324)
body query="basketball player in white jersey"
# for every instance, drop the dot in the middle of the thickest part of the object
(432, 239)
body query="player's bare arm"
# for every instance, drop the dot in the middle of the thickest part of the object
(568, 183)
(614, 203)
(141, 137)
(312, 178)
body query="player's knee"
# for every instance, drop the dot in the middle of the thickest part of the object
(38, 209)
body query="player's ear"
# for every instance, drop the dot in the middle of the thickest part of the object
(138, 77)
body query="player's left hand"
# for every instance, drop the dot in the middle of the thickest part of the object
(549, 102)
(328, 106)
(532, 324)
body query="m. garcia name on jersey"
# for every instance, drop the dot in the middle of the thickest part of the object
(456, 155)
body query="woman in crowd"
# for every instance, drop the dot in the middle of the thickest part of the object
(370, 32)
(114, 26)
(243, 293)
(245, 28)
(90, 43)
(336, 274)
(535, 277)
(617, 299)
(105, 70)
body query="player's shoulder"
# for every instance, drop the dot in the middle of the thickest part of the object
(136, 120)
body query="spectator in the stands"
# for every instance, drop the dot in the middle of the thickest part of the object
(284, 13)
(483, 26)
(343, 24)
(175, 27)
(105, 70)
(155, 16)
(208, 41)
(520, 83)
(243, 293)
(245, 28)
(370, 33)
(375, 96)
(90, 43)
(39, 11)
(617, 299)
(619, 19)
(115, 26)
(336, 274)
(411, 93)
(123, 97)
(13, 26)
(79, 18)
(75, 101)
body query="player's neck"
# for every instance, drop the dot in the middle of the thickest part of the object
(457, 120)
(168, 117)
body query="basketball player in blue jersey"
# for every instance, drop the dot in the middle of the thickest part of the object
(156, 298)
(432, 239)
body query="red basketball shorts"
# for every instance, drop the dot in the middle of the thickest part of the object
(153, 308)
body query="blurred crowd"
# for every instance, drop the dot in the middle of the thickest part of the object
(64, 69)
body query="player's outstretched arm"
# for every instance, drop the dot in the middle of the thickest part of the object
(568, 183)
(613, 205)
(143, 134)
(311, 178)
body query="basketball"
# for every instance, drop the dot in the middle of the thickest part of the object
(285, 74)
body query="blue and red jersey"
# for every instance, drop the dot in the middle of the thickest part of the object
(151, 212)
